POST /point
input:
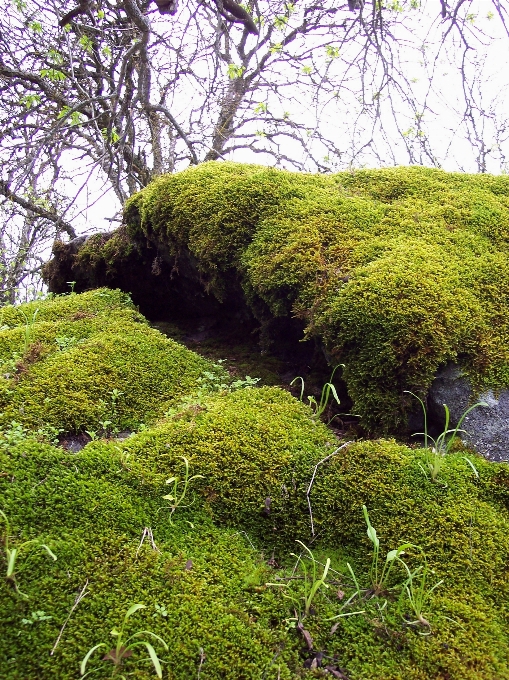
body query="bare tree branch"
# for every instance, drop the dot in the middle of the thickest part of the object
(125, 91)
(31, 207)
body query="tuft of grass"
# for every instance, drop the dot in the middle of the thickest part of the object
(379, 573)
(441, 446)
(416, 593)
(312, 582)
(13, 554)
(125, 646)
(30, 320)
(180, 486)
(319, 407)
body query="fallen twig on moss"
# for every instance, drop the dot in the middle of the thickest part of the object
(147, 533)
(324, 460)
(78, 599)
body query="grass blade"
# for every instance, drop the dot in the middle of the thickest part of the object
(132, 609)
(50, 553)
(83, 665)
(154, 658)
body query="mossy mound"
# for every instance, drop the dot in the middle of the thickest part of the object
(92, 513)
(82, 360)
(201, 555)
(397, 271)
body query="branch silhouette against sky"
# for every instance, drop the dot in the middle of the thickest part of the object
(98, 98)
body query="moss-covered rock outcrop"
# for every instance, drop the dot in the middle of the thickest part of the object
(202, 566)
(396, 271)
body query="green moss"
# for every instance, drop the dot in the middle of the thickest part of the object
(89, 509)
(461, 522)
(66, 390)
(257, 450)
(68, 331)
(260, 443)
(105, 345)
(463, 532)
(250, 446)
(112, 249)
(102, 301)
(92, 507)
(397, 270)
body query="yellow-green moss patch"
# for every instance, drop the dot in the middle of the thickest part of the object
(397, 270)
(94, 361)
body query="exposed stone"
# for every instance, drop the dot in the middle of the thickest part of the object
(486, 427)
(171, 288)
(161, 286)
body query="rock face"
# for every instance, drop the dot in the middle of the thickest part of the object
(486, 427)
(161, 286)
(166, 287)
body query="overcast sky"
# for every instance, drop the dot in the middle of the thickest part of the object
(443, 104)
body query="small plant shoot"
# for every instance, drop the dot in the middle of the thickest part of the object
(180, 486)
(125, 648)
(441, 446)
(13, 554)
(313, 582)
(319, 407)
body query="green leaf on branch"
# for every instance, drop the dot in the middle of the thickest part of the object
(52, 74)
(30, 100)
(235, 71)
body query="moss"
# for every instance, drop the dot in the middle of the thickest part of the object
(462, 531)
(62, 334)
(105, 345)
(397, 270)
(93, 519)
(111, 248)
(259, 443)
(74, 391)
(91, 509)
(250, 446)
(72, 307)
(406, 304)
(257, 450)
(459, 522)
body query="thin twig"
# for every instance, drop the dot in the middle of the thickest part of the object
(147, 533)
(78, 599)
(202, 659)
(324, 460)
(247, 536)
(274, 658)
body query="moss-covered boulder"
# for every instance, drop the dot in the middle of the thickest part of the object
(396, 271)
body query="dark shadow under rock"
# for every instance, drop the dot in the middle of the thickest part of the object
(162, 287)
(75, 442)
(166, 288)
